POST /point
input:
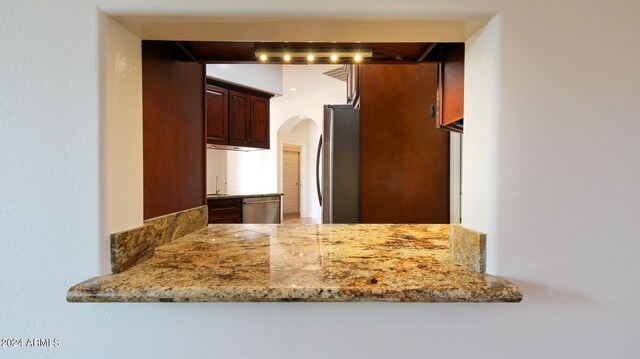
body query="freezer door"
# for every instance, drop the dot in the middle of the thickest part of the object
(341, 165)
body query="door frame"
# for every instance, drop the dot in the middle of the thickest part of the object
(455, 176)
(291, 147)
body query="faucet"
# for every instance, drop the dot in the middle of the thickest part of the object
(217, 189)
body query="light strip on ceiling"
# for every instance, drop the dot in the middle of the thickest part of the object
(314, 56)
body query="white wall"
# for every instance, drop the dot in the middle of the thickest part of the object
(263, 77)
(560, 128)
(314, 90)
(50, 209)
(480, 138)
(252, 171)
(216, 170)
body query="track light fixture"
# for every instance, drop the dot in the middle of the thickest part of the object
(319, 56)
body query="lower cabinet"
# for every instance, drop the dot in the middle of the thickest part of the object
(228, 210)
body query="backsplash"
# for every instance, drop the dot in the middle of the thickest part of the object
(132, 246)
(468, 248)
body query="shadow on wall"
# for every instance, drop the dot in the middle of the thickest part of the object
(301, 131)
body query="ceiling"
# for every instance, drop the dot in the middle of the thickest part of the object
(244, 52)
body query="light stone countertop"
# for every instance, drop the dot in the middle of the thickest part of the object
(314, 263)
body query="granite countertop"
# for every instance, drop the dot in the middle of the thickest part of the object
(239, 195)
(315, 263)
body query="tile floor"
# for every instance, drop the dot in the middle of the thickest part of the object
(295, 218)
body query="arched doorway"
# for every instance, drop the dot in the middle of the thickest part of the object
(297, 137)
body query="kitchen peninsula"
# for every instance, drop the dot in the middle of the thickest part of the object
(313, 263)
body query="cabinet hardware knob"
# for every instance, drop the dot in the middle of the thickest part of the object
(432, 111)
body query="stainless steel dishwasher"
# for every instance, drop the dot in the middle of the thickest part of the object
(261, 209)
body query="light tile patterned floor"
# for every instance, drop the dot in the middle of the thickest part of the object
(296, 219)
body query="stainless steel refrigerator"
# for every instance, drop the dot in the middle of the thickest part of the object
(338, 165)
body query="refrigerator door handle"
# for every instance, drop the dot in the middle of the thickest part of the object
(318, 170)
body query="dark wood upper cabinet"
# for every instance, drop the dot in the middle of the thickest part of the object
(239, 119)
(259, 122)
(451, 89)
(217, 114)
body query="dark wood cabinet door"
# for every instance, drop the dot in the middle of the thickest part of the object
(239, 119)
(259, 122)
(225, 210)
(404, 158)
(453, 86)
(228, 218)
(217, 109)
(173, 131)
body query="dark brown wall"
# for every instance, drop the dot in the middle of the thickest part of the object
(173, 131)
(404, 158)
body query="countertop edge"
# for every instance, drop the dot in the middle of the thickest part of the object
(81, 293)
(235, 195)
(74, 296)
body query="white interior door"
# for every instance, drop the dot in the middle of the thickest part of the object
(291, 182)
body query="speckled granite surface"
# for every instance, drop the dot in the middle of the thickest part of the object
(238, 195)
(468, 247)
(266, 262)
(134, 245)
